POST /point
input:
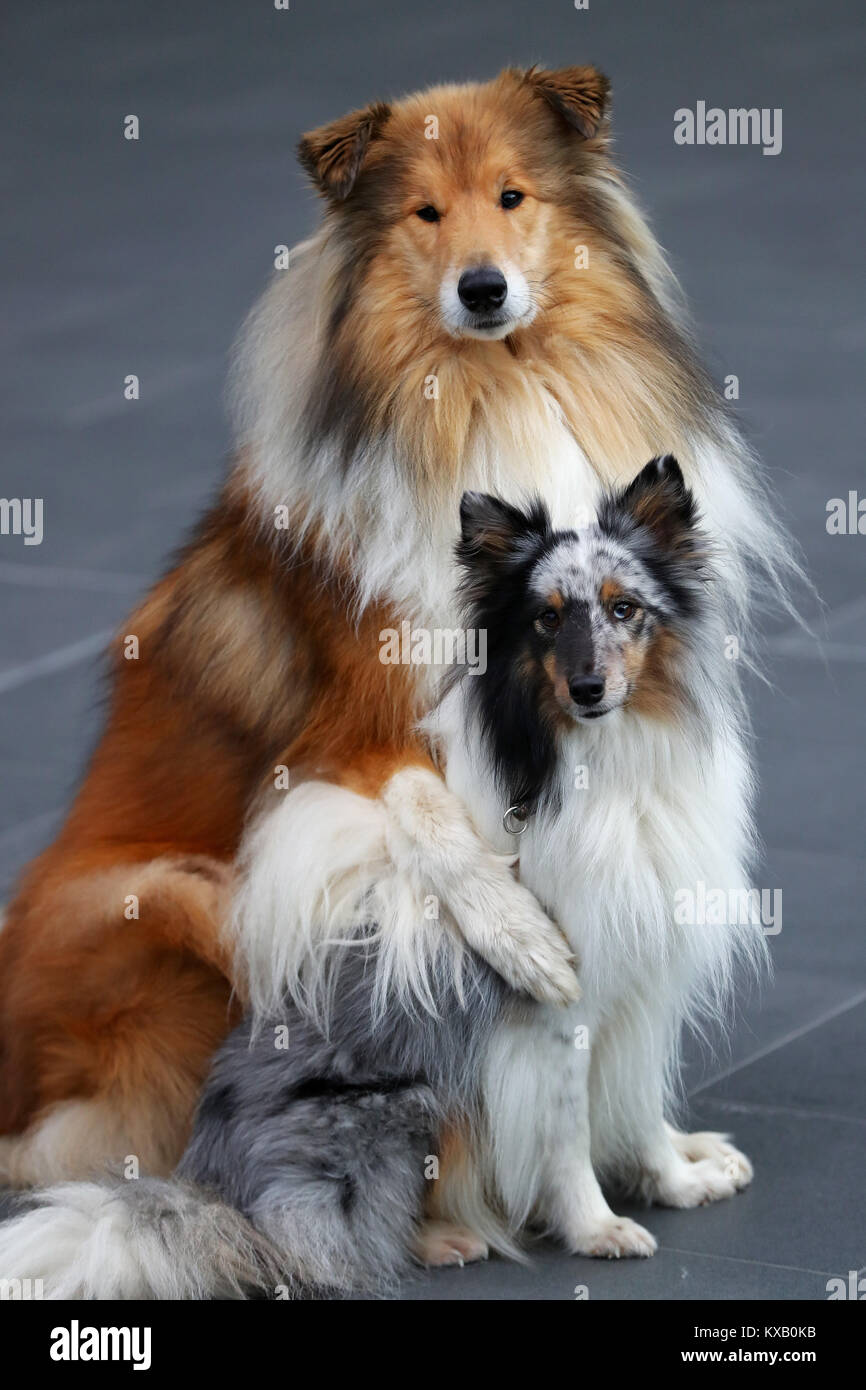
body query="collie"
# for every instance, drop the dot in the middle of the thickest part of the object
(483, 308)
(315, 1154)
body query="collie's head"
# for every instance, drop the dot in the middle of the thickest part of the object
(462, 204)
(581, 624)
(485, 273)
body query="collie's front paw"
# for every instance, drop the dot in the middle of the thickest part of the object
(432, 842)
(614, 1239)
(439, 1243)
(717, 1150)
(515, 935)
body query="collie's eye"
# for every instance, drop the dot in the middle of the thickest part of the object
(622, 611)
(511, 198)
(428, 213)
(549, 619)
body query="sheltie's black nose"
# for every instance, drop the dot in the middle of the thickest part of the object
(586, 690)
(482, 289)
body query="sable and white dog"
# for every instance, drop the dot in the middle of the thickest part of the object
(482, 308)
(310, 1148)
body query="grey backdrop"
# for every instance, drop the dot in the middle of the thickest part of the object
(143, 257)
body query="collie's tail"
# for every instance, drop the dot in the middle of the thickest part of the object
(148, 1238)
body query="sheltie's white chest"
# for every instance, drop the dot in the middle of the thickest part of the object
(640, 818)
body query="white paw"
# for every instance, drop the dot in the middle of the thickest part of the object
(439, 1243)
(716, 1149)
(614, 1239)
(521, 942)
(694, 1185)
(431, 840)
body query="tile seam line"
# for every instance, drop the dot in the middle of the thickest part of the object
(793, 1112)
(786, 1038)
(739, 1260)
(66, 579)
(59, 659)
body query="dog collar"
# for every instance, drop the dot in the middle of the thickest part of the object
(515, 819)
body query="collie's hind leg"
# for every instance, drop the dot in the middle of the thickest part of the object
(105, 1042)
(78, 1139)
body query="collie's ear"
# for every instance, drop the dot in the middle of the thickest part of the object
(580, 95)
(333, 154)
(493, 533)
(659, 500)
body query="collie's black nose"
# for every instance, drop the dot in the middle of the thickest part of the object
(586, 690)
(482, 289)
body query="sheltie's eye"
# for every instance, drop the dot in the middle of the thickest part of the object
(548, 620)
(428, 213)
(511, 198)
(622, 611)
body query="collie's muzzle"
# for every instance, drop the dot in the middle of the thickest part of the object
(485, 301)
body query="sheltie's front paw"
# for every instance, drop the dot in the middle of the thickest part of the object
(614, 1239)
(439, 1243)
(693, 1185)
(706, 1146)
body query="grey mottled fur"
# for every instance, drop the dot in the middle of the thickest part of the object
(322, 1144)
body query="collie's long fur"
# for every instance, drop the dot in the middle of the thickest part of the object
(369, 396)
(600, 647)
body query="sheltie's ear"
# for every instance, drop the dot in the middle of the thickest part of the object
(495, 536)
(333, 154)
(580, 95)
(659, 500)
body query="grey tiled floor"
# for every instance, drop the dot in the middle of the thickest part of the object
(144, 257)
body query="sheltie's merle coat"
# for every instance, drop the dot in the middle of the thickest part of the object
(310, 1157)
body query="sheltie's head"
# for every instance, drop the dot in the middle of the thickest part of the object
(581, 624)
(461, 202)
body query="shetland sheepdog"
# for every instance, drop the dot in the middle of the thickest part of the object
(482, 308)
(310, 1150)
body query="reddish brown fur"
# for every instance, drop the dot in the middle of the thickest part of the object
(656, 692)
(240, 662)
